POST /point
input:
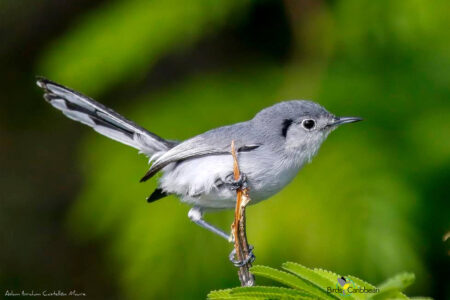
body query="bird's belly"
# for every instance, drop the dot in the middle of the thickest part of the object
(195, 180)
(268, 181)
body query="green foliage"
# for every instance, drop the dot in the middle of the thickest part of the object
(259, 292)
(287, 279)
(308, 283)
(318, 281)
(393, 287)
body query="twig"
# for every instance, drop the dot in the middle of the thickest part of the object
(238, 227)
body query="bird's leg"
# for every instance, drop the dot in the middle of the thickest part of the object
(196, 216)
(240, 183)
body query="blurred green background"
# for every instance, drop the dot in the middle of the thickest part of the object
(375, 201)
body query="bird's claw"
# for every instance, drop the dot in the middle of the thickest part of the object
(240, 183)
(239, 263)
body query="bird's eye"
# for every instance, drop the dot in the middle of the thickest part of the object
(308, 124)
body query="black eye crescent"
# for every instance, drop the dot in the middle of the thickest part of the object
(286, 124)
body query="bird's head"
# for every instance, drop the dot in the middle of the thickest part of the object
(301, 125)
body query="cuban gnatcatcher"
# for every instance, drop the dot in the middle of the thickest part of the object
(272, 148)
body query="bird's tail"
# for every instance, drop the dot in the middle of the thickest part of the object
(102, 119)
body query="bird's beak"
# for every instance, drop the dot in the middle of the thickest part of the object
(343, 120)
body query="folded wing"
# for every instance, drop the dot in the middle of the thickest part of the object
(215, 142)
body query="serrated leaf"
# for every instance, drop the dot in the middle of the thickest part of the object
(392, 288)
(220, 294)
(400, 295)
(361, 282)
(319, 282)
(389, 295)
(358, 282)
(237, 297)
(327, 274)
(289, 280)
(333, 276)
(269, 292)
(398, 282)
(312, 284)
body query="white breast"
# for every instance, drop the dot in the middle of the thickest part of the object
(194, 180)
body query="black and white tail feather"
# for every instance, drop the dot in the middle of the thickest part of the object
(103, 120)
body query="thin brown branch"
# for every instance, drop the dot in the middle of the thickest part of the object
(238, 227)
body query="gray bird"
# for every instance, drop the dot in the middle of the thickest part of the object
(272, 147)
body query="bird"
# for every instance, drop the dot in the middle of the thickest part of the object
(272, 147)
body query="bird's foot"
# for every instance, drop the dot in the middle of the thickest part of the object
(239, 184)
(239, 263)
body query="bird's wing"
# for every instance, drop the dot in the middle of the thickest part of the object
(215, 142)
(102, 119)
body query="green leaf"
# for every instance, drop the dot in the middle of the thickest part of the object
(333, 277)
(220, 294)
(260, 292)
(361, 282)
(399, 295)
(288, 279)
(311, 284)
(393, 287)
(327, 274)
(319, 282)
(270, 292)
(389, 295)
(399, 282)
